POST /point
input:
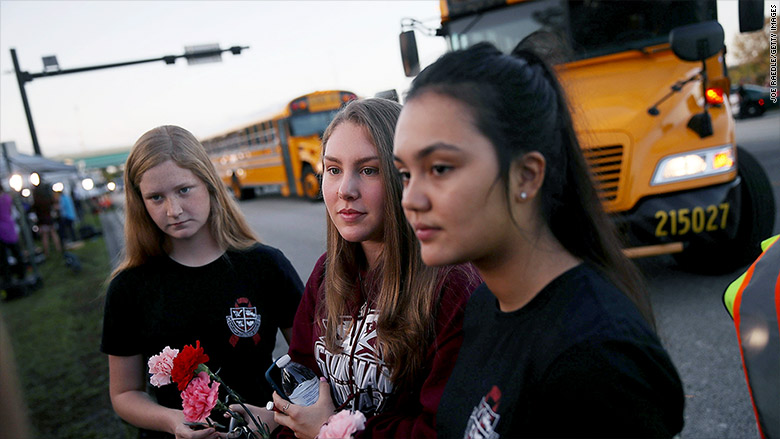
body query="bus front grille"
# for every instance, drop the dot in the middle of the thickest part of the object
(605, 163)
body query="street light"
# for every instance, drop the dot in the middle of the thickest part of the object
(193, 54)
(88, 184)
(16, 182)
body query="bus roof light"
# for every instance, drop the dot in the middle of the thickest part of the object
(300, 104)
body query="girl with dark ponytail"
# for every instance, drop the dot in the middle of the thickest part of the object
(560, 339)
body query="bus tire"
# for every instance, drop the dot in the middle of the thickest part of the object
(311, 183)
(241, 193)
(756, 223)
(235, 187)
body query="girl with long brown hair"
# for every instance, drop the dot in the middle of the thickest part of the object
(378, 325)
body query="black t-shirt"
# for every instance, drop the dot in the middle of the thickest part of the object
(233, 305)
(577, 361)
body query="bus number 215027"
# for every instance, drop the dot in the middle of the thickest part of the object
(678, 222)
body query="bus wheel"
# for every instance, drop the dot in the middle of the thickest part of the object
(311, 184)
(756, 223)
(241, 193)
(235, 186)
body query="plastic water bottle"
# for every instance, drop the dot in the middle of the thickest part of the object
(298, 381)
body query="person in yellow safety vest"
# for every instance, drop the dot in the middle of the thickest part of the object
(753, 300)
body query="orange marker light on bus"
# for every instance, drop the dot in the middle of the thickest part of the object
(714, 96)
(723, 160)
(299, 104)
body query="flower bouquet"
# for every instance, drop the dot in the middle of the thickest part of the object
(342, 425)
(199, 387)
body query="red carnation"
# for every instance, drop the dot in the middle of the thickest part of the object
(185, 363)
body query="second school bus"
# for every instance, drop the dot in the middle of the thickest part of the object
(646, 82)
(279, 153)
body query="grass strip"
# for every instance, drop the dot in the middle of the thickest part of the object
(55, 333)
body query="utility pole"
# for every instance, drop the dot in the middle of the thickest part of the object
(21, 78)
(193, 54)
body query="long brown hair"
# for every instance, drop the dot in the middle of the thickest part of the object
(143, 239)
(406, 290)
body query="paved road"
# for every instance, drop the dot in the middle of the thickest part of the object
(112, 225)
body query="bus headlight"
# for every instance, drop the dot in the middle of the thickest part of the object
(697, 164)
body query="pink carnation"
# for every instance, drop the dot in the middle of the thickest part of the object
(160, 366)
(342, 425)
(198, 399)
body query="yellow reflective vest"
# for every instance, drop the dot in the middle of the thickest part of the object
(753, 300)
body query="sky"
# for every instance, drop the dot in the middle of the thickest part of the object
(296, 47)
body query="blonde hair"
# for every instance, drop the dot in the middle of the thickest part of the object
(143, 239)
(407, 289)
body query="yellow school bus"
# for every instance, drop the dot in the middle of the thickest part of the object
(646, 81)
(281, 153)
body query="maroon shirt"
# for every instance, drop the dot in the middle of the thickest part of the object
(357, 370)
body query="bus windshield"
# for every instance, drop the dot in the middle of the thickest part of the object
(309, 124)
(571, 30)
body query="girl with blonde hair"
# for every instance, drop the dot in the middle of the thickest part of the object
(193, 270)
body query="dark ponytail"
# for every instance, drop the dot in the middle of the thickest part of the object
(518, 104)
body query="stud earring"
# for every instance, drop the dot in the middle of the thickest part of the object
(523, 195)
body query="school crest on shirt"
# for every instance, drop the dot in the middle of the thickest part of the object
(243, 321)
(484, 418)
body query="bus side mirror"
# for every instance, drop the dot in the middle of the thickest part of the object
(751, 15)
(697, 42)
(409, 53)
(388, 94)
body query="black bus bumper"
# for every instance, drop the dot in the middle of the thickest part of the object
(705, 215)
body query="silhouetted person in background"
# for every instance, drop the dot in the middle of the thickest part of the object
(66, 217)
(9, 239)
(43, 205)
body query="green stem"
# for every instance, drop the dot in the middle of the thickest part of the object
(261, 426)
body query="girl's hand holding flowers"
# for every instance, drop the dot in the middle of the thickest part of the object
(199, 388)
(262, 413)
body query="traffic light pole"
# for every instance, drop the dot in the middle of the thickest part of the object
(24, 77)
